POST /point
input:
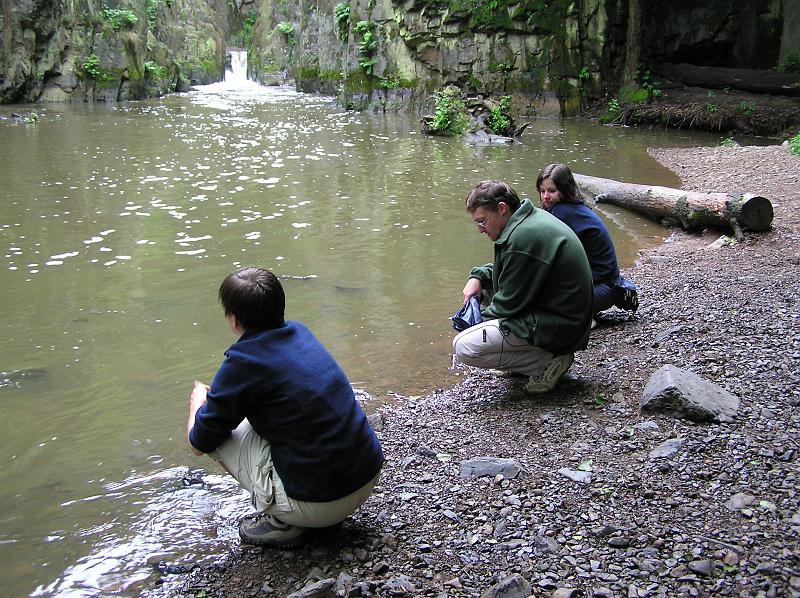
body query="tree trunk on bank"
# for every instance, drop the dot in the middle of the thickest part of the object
(754, 81)
(690, 209)
(790, 40)
(634, 40)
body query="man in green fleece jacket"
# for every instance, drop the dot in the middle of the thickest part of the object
(537, 295)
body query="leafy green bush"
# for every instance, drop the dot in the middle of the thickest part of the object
(450, 113)
(792, 63)
(341, 16)
(729, 142)
(613, 112)
(248, 27)
(646, 82)
(91, 68)
(366, 47)
(747, 108)
(288, 31)
(152, 9)
(499, 121)
(794, 145)
(119, 18)
(154, 70)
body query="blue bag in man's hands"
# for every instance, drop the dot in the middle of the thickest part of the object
(469, 315)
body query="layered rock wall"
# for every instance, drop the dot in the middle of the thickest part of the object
(550, 56)
(547, 56)
(85, 50)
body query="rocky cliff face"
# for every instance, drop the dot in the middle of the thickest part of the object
(546, 55)
(82, 50)
(550, 56)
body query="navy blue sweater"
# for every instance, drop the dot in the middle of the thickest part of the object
(296, 396)
(594, 237)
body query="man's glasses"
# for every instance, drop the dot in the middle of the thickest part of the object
(481, 224)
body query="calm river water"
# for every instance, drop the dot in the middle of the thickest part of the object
(117, 225)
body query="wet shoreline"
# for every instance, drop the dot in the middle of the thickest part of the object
(721, 515)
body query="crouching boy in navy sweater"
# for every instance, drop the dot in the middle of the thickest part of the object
(281, 417)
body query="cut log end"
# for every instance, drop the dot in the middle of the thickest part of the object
(756, 213)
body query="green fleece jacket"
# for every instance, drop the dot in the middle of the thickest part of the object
(541, 280)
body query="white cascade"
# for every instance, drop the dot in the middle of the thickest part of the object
(238, 70)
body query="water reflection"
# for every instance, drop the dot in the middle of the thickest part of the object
(116, 227)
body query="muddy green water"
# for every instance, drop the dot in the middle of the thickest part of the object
(117, 224)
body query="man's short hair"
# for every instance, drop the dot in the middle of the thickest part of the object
(487, 194)
(255, 297)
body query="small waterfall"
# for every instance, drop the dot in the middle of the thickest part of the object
(237, 73)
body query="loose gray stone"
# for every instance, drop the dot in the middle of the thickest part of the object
(739, 501)
(646, 426)
(546, 544)
(399, 586)
(514, 586)
(674, 391)
(583, 477)
(668, 448)
(489, 466)
(704, 567)
(666, 333)
(619, 542)
(320, 589)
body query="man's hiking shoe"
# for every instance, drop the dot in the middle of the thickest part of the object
(547, 380)
(266, 530)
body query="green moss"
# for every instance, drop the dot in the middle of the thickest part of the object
(153, 70)
(309, 72)
(633, 94)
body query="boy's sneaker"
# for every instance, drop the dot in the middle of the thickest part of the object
(547, 380)
(627, 296)
(266, 530)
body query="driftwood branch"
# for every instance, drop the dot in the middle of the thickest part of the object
(691, 210)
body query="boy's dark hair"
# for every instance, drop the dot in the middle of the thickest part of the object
(487, 194)
(562, 178)
(255, 297)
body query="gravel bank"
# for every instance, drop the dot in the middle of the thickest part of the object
(719, 515)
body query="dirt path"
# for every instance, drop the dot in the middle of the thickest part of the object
(720, 516)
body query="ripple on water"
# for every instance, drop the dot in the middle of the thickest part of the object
(189, 516)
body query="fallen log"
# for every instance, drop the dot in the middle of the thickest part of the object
(692, 210)
(753, 81)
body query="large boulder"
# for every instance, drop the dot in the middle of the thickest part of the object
(674, 391)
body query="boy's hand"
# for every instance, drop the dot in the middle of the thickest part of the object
(196, 400)
(198, 396)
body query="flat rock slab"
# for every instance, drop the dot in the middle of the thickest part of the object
(489, 466)
(668, 448)
(583, 477)
(674, 391)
